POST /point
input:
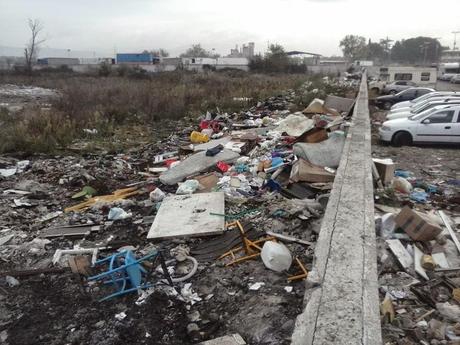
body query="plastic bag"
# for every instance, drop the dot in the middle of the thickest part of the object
(188, 187)
(276, 256)
(157, 195)
(117, 213)
(401, 185)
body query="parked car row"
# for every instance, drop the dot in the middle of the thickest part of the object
(452, 77)
(387, 101)
(433, 117)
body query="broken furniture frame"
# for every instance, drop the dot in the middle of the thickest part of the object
(251, 248)
(119, 194)
(299, 276)
(125, 270)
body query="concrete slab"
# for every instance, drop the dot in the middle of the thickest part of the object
(195, 164)
(189, 216)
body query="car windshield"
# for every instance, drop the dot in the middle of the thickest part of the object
(422, 114)
(422, 98)
(416, 108)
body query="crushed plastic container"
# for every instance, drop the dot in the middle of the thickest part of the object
(276, 256)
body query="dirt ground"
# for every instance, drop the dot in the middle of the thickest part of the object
(63, 308)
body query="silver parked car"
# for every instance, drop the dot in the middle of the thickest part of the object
(398, 86)
(446, 76)
(455, 79)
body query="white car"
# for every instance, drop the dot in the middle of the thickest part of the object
(423, 98)
(415, 108)
(434, 126)
(446, 76)
(428, 110)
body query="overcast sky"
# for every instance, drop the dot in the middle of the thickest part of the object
(106, 26)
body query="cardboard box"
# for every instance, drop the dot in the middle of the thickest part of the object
(303, 170)
(386, 169)
(417, 225)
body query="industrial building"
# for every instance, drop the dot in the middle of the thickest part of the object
(58, 61)
(246, 51)
(137, 59)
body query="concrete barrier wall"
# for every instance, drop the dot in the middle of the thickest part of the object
(341, 301)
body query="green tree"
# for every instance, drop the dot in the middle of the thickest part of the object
(276, 59)
(160, 52)
(417, 50)
(196, 50)
(353, 47)
(375, 51)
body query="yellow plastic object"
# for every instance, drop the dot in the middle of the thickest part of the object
(197, 137)
(117, 195)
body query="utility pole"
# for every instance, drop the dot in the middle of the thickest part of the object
(455, 38)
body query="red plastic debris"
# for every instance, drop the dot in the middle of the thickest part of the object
(223, 166)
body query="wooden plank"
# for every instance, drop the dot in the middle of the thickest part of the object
(70, 231)
(403, 256)
(449, 228)
(288, 238)
(189, 215)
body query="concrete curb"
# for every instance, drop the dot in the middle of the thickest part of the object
(342, 303)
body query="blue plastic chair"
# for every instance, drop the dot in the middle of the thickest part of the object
(126, 273)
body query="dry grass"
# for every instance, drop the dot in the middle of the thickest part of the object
(108, 103)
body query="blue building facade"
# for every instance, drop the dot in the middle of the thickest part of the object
(141, 58)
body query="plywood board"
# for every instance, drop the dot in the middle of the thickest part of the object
(70, 231)
(189, 215)
(403, 256)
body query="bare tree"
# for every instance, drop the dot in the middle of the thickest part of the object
(32, 48)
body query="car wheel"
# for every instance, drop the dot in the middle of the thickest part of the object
(393, 92)
(387, 105)
(402, 139)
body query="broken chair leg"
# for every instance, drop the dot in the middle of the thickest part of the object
(302, 275)
(251, 248)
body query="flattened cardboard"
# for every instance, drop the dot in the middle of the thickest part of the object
(304, 171)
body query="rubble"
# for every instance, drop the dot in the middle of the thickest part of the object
(418, 256)
(174, 193)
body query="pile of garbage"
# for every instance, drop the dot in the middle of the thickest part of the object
(227, 209)
(419, 256)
